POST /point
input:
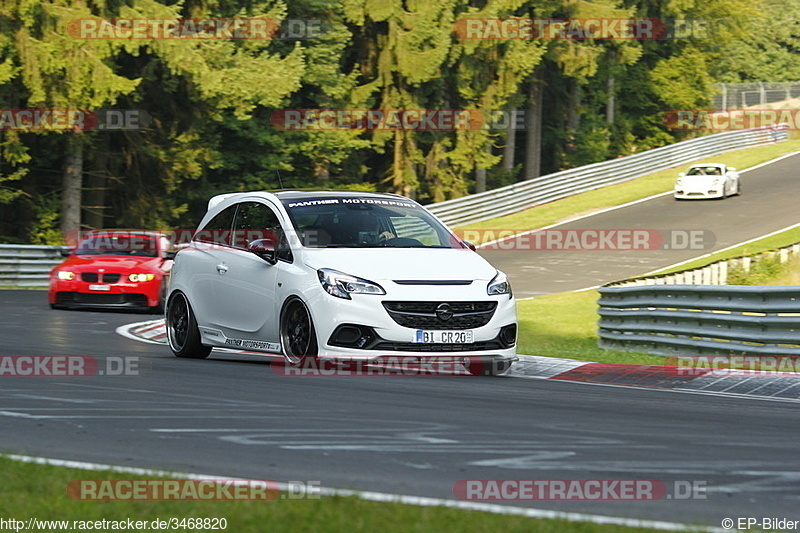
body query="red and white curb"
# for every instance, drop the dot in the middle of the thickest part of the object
(152, 331)
(723, 382)
(744, 383)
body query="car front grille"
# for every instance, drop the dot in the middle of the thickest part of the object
(94, 277)
(423, 315)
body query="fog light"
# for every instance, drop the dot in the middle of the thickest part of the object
(347, 335)
(352, 336)
(508, 335)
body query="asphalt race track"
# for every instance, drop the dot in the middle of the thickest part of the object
(768, 203)
(234, 416)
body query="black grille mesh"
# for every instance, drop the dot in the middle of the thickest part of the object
(422, 315)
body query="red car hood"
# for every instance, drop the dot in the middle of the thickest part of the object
(116, 263)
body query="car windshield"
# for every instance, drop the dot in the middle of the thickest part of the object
(704, 171)
(366, 222)
(118, 244)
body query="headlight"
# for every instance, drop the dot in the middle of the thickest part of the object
(141, 277)
(343, 285)
(715, 182)
(678, 182)
(499, 285)
(65, 275)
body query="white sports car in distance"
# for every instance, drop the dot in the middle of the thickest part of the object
(337, 275)
(707, 180)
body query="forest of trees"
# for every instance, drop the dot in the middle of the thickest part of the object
(210, 102)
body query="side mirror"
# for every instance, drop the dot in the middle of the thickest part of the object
(682, 174)
(265, 249)
(731, 168)
(65, 251)
(168, 256)
(470, 246)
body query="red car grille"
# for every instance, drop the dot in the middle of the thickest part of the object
(94, 277)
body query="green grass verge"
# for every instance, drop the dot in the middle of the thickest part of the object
(767, 271)
(622, 193)
(39, 491)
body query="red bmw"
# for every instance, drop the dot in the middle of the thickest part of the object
(114, 269)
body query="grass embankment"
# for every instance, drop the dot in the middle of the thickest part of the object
(622, 193)
(40, 491)
(767, 271)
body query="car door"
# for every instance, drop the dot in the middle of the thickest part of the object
(199, 265)
(246, 285)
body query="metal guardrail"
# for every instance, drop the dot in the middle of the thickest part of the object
(23, 265)
(543, 189)
(699, 319)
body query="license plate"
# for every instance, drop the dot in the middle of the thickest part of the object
(461, 336)
(99, 287)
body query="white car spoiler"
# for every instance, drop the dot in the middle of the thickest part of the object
(215, 200)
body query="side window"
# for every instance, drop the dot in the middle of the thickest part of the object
(255, 220)
(218, 229)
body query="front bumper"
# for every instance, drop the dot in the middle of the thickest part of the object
(697, 195)
(121, 295)
(83, 300)
(493, 340)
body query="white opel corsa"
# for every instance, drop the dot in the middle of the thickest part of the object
(337, 275)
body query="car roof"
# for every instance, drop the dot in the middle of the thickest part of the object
(294, 195)
(720, 165)
(288, 195)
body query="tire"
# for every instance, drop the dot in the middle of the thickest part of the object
(487, 366)
(182, 333)
(298, 337)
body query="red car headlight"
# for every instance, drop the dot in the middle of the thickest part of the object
(136, 278)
